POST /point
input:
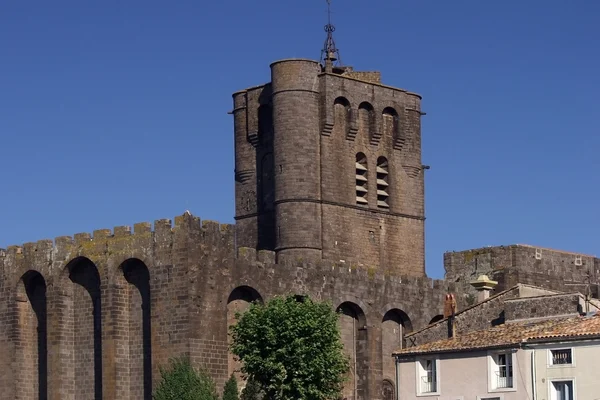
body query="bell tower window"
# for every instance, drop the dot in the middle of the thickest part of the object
(382, 183)
(361, 180)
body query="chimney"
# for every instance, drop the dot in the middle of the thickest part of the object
(449, 311)
(484, 285)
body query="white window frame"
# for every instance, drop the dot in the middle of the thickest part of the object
(419, 369)
(490, 396)
(563, 379)
(492, 371)
(550, 358)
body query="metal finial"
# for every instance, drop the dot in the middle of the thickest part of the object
(330, 54)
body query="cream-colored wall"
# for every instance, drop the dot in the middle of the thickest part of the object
(585, 370)
(466, 376)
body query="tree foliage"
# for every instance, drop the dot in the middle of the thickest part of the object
(230, 392)
(291, 348)
(182, 382)
(252, 391)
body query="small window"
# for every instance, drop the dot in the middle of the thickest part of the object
(561, 357)
(501, 368)
(561, 390)
(427, 376)
(382, 183)
(361, 179)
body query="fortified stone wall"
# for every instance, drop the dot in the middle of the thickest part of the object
(96, 315)
(509, 265)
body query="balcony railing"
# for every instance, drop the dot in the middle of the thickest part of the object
(427, 386)
(504, 382)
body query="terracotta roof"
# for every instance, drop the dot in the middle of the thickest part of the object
(518, 286)
(513, 334)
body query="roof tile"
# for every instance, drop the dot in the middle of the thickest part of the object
(512, 334)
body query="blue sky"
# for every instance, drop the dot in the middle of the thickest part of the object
(115, 112)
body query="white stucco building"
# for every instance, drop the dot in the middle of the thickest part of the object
(549, 359)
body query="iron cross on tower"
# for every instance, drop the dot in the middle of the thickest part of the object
(330, 54)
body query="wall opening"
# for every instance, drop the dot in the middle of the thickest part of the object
(388, 391)
(435, 319)
(341, 115)
(87, 309)
(354, 337)
(394, 326)
(140, 328)
(382, 183)
(238, 302)
(391, 124)
(31, 331)
(366, 119)
(361, 186)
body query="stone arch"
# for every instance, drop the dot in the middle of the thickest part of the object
(353, 329)
(341, 116)
(388, 390)
(394, 325)
(435, 319)
(366, 119)
(31, 340)
(84, 311)
(391, 124)
(239, 301)
(137, 323)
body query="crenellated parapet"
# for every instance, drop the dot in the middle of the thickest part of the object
(151, 243)
(173, 287)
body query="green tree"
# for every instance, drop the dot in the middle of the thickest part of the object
(251, 391)
(291, 348)
(230, 392)
(182, 382)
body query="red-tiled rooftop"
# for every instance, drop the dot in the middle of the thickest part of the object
(512, 334)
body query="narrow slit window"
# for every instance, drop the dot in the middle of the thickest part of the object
(382, 183)
(361, 180)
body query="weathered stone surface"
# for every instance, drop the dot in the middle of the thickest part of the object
(117, 306)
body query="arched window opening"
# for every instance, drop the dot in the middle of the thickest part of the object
(140, 329)
(394, 326)
(354, 338)
(391, 123)
(387, 390)
(382, 183)
(238, 302)
(87, 309)
(341, 110)
(361, 179)
(436, 319)
(366, 118)
(31, 343)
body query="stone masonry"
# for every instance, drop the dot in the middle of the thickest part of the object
(329, 204)
(94, 316)
(298, 140)
(509, 265)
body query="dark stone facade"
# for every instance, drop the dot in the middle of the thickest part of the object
(296, 144)
(96, 315)
(509, 265)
